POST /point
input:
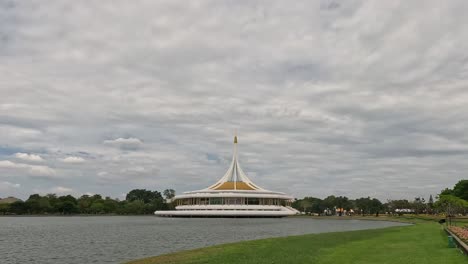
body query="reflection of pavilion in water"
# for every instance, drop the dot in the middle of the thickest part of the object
(234, 195)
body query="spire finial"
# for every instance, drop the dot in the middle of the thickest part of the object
(235, 136)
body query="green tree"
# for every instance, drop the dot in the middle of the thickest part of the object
(446, 191)
(369, 206)
(53, 200)
(19, 208)
(305, 205)
(97, 207)
(37, 204)
(419, 204)
(309, 205)
(4, 209)
(329, 202)
(68, 198)
(430, 205)
(376, 206)
(460, 189)
(134, 207)
(451, 205)
(169, 194)
(84, 202)
(67, 207)
(392, 205)
(110, 205)
(145, 196)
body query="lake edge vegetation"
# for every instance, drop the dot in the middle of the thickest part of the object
(137, 202)
(144, 202)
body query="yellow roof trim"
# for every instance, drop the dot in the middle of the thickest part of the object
(230, 186)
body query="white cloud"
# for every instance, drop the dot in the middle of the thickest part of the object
(73, 160)
(59, 190)
(28, 157)
(31, 170)
(125, 143)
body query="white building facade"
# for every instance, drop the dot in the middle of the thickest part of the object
(234, 195)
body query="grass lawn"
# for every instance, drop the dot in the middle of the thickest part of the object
(425, 243)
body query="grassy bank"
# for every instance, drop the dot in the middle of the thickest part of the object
(424, 242)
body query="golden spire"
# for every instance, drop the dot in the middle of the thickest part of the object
(235, 139)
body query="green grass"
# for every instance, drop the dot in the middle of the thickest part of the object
(425, 243)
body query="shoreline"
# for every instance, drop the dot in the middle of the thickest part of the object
(407, 241)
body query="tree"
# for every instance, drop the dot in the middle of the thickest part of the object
(446, 191)
(369, 206)
(460, 189)
(451, 204)
(169, 194)
(134, 207)
(68, 198)
(395, 206)
(363, 204)
(53, 200)
(19, 207)
(306, 205)
(392, 205)
(4, 209)
(418, 205)
(37, 204)
(144, 195)
(430, 204)
(329, 201)
(309, 205)
(67, 207)
(138, 202)
(97, 208)
(84, 202)
(110, 205)
(375, 206)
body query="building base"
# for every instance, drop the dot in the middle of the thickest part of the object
(227, 213)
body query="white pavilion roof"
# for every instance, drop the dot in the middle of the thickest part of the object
(234, 181)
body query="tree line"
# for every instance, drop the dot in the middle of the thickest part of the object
(331, 205)
(448, 201)
(137, 202)
(141, 201)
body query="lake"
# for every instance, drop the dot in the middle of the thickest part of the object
(115, 239)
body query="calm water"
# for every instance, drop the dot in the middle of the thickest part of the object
(116, 239)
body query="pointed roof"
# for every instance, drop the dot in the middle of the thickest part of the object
(235, 178)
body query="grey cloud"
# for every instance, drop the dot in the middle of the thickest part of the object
(149, 95)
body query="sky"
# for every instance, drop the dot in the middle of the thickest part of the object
(354, 98)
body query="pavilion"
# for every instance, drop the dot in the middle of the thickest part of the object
(234, 195)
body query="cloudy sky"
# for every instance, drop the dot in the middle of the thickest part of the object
(355, 98)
